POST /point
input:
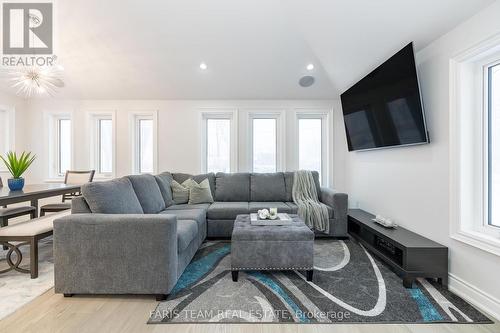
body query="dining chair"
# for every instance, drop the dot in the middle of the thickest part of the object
(7, 213)
(71, 178)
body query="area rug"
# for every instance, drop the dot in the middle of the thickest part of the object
(18, 289)
(349, 286)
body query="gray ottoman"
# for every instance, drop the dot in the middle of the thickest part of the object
(289, 247)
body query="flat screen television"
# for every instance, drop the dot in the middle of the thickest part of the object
(384, 109)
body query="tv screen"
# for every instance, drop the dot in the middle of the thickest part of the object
(384, 109)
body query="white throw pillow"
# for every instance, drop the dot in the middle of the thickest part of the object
(180, 192)
(199, 192)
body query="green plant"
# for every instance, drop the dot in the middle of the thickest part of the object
(17, 166)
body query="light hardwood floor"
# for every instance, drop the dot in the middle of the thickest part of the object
(53, 313)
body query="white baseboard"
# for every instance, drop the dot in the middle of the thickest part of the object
(481, 300)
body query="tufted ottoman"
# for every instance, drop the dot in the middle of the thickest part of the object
(288, 247)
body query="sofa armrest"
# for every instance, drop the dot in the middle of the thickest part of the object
(336, 200)
(115, 254)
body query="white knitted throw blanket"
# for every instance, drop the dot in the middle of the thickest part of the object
(305, 196)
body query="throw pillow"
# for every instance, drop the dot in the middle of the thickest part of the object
(180, 192)
(199, 193)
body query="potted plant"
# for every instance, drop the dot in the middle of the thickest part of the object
(17, 166)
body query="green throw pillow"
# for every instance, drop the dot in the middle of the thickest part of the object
(180, 192)
(199, 193)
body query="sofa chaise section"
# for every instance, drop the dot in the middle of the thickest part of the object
(120, 239)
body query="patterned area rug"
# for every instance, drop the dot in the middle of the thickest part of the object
(349, 285)
(18, 289)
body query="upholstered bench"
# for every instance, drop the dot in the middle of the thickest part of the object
(28, 233)
(268, 248)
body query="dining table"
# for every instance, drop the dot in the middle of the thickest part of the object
(35, 192)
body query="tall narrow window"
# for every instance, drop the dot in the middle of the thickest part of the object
(63, 145)
(264, 144)
(219, 140)
(145, 145)
(218, 145)
(105, 145)
(310, 144)
(493, 102)
(4, 133)
(58, 135)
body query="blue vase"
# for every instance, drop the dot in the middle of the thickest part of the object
(16, 184)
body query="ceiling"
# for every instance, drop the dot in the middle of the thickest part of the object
(125, 49)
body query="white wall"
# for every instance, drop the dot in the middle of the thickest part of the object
(179, 131)
(412, 184)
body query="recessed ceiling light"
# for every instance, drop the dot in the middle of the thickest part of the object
(203, 66)
(310, 67)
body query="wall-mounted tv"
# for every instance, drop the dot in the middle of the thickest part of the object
(384, 109)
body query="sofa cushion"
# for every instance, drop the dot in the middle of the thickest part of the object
(232, 187)
(149, 194)
(199, 215)
(294, 209)
(187, 230)
(226, 210)
(115, 196)
(164, 180)
(289, 184)
(199, 192)
(188, 206)
(182, 177)
(253, 207)
(267, 187)
(180, 192)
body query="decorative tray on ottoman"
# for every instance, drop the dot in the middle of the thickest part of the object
(282, 219)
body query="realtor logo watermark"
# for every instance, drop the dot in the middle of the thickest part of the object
(28, 34)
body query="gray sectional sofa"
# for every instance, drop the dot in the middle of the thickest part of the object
(128, 236)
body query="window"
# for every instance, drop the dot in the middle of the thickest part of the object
(312, 133)
(145, 144)
(4, 132)
(264, 145)
(493, 105)
(102, 142)
(63, 145)
(474, 147)
(58, 143)
(218, 145)
(105, 145)
(144, 137)
(219, 141)
(310, 144)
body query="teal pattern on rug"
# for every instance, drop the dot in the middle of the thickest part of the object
(427, 310)
(197, 269)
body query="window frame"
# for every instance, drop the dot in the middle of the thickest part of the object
(93, 130)
(135, 119)
(279, 116)
(487, 114)
(228, 114)
(469, 147)
(9, 132)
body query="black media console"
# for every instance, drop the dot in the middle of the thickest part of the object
(407, 253)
